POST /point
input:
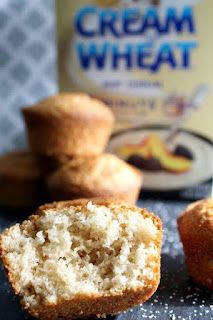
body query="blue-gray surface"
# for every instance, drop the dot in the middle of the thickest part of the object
(177, 296)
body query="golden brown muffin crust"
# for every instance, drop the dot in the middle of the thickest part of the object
(105, 176)
(21, 180)
(21, 165)
(78, 105)
(196, 231)
(70, 124)
(94, 305)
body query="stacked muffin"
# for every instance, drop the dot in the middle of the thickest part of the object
(70, 132)
(21, 179)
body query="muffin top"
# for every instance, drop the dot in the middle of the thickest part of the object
(199, 214)
(21, 165)
(77, 105)
(105, 171)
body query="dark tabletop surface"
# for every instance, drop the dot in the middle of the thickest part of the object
(177, 296)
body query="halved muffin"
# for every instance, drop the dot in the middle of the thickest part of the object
(101, 176)
(71, 124)
(83, 258)
(195, 226)
(21, 179)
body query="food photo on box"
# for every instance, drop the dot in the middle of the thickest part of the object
(106, 160)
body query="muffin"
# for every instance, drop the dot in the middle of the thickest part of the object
(83, 258)
(71, 124)
(196, 232)
(101, 176)
(21, 180)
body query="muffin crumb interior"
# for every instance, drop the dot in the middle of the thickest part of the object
(91, 249)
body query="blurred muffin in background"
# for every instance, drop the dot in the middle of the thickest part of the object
(71, 124)
(101, 176)
(21, 180)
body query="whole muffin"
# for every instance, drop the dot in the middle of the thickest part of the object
(101, 176)
(69, 123)
(21, 180)
(85, 258)
(196, 232)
